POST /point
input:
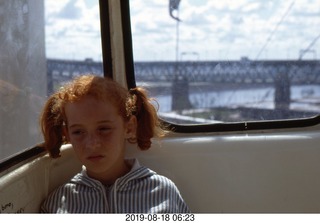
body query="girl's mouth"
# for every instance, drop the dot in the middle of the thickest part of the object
(95, 158)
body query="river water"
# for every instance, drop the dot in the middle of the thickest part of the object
(304, 98)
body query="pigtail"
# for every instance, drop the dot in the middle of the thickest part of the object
(52, 127)
(148, 122)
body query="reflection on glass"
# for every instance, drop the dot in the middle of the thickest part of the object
(22, 73)
(42, 44)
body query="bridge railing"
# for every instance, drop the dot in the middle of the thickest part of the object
(298, 71)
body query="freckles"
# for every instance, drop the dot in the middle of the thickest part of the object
(77, 147)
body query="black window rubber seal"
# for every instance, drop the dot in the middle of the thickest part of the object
(20, 157)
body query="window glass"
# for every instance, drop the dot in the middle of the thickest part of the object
(228, 61)
(42, 44)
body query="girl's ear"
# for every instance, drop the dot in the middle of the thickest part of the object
(131, 128)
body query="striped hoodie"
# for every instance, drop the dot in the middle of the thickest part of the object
(139, 191)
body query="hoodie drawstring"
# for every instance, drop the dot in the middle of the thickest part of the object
(115, 197)
(105, 200)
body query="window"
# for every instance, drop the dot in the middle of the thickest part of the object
(228, 61)
(42, 44)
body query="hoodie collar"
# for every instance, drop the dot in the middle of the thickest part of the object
(137, 171)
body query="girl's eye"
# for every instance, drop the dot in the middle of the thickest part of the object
(104, 129)
(77, 132)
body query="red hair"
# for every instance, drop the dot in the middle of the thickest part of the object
(133, 102)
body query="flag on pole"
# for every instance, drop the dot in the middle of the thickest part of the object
(174, 5)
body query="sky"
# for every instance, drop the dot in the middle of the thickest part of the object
(208, 30)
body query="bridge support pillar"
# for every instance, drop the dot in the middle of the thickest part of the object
(282, 94)
(180, 94)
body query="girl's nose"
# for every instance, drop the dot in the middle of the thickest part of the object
(93, 142)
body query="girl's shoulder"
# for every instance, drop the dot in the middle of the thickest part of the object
(73, 188)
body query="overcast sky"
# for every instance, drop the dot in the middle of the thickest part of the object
(209, 29)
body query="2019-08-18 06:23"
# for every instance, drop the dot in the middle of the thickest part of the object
(160, 217)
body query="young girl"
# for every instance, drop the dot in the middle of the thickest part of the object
(97, 116)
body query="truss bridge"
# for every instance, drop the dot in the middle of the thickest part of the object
(243, 71)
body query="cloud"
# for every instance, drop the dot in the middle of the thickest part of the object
(73, 35)
(70, 11)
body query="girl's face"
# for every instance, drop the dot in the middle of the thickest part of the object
(98, 135)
